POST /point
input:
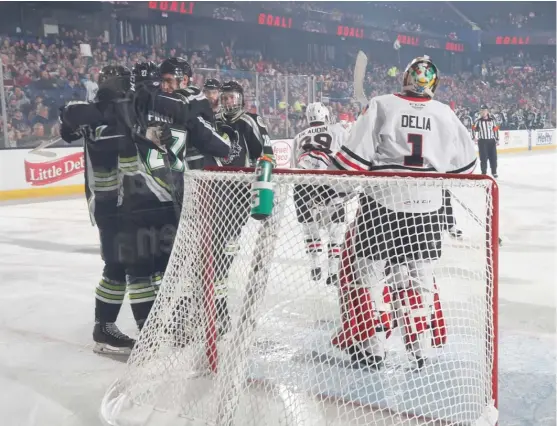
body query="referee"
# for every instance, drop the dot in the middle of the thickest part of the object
(486, 131)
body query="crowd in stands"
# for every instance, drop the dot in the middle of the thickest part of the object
(42, 74)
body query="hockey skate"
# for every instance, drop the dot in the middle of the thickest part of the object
(110, 340)
(455, 233)
(316, 274)
(364, 359)
(223, 317)
(333, 280)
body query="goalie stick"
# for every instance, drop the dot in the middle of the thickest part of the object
(359, 76)
(470, 213)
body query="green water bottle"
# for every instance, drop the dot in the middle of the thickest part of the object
(262, 194)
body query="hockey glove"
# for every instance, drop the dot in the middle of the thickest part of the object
(227, 132)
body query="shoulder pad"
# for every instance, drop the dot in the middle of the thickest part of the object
(77, 103)
(194, 90)
(257, 118)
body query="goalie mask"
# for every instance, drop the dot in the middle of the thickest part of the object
(316, 112)
(421, 78)
(175, 74)
(232, 100)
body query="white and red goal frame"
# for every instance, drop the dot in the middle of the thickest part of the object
(492, 266)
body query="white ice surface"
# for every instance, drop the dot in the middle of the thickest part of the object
(49, 263)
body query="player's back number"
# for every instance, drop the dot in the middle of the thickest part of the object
(323, 140)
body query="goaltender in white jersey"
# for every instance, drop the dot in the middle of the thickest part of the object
(314, 148)
(396, 236)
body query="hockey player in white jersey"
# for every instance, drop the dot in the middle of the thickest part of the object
(396, 238)
(314, 149)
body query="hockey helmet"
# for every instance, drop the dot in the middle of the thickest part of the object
(211, 89)
(316, 112)
(421, 77)
(178, 67)
(145, 71)
(114, 81)
(212, 84)
(232, 100)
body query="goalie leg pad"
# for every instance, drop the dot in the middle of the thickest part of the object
(415, 301)
(359, 291)
(438, 327)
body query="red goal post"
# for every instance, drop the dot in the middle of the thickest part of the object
(277, 355)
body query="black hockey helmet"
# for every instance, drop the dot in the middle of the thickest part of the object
(145, 71)
(114, 81)
(212, 84)
(111, 71)
(232, 99)
(178, 67)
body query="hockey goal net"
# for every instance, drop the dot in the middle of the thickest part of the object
(244, 332)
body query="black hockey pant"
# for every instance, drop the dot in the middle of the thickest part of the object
(448, 210)
(488, 151)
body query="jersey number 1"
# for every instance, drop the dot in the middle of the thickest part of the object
(416, 158)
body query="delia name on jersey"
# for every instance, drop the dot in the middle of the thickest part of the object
(415, 122)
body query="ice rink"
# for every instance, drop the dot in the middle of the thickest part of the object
(50, 260)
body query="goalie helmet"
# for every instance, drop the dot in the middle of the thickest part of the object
(316, 112)
(232, 100)
(421, 78)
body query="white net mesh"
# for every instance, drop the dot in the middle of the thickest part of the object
(333, 311)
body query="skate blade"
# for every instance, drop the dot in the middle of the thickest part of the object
(105, 349)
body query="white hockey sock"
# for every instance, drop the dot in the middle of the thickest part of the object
(336, 237)
(313, 244)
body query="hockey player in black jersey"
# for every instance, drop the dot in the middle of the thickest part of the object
(232, 199)
(211, 89)
(176, 74)
(102, 141)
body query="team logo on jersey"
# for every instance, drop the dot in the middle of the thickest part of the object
(417, 106)
(260, 121)
(235, 151)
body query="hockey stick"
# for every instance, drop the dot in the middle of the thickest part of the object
(232, 373)
(359, 76)
(470, 212)
(39, 150)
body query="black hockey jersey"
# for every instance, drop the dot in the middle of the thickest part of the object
(101, 148)
(251, 142)
(199, 105)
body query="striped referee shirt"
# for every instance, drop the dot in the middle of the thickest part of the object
(486, 128)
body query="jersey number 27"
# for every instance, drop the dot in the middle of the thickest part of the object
(155, 159)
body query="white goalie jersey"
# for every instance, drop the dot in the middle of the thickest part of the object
(315, 146)
(400, 133)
